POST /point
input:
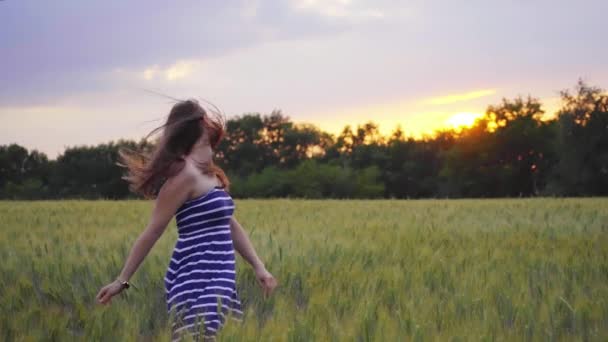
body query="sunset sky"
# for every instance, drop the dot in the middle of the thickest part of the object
(78, 72)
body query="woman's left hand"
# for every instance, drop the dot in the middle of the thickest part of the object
(107, 292)
(266, 280)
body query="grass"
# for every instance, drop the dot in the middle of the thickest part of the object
(352, 270)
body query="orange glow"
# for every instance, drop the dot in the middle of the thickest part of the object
(417, 118)
(460, 120)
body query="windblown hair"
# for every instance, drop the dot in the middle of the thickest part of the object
(147, 171)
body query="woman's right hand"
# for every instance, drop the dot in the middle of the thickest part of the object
(107, 292)
(266, 280)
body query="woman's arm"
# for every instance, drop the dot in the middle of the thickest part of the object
(245, 248)
(243, 245)
(171, 195)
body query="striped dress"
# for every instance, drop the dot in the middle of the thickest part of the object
(200, 280)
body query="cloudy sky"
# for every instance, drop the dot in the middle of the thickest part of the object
(84, 72)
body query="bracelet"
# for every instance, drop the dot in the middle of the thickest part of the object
(124, 283)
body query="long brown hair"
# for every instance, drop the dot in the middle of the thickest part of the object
(148, 170)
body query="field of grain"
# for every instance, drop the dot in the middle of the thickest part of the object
(351, 270)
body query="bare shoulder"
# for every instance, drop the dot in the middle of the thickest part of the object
(181, 179)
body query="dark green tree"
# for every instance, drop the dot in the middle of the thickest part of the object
(582, 143)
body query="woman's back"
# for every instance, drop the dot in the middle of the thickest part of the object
(202, 268)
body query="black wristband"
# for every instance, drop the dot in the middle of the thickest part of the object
(124, 283)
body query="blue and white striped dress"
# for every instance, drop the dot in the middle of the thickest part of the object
(200, 280)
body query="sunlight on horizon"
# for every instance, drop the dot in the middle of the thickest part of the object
(415, 119)
(463, 119)
(416, 125)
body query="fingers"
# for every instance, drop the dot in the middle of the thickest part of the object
(266, 292)
(105, 295)
(262, 283)
(106, 299)
(102, 298)
(101, 294)
(268, 285)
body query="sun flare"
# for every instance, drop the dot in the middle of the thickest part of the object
(460, 120)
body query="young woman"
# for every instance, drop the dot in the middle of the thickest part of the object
(181, 176)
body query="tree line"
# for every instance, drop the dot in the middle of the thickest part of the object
(511, 151)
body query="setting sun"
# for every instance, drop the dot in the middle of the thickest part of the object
(460, 120)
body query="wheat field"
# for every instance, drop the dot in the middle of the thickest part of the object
(348, 270)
